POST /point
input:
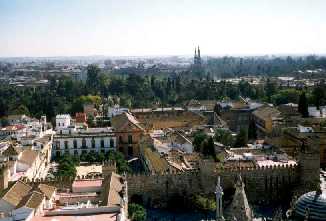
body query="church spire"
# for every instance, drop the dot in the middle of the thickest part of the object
(198, 52)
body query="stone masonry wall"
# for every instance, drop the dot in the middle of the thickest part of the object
(262, 184)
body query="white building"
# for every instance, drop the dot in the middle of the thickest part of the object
(314, 112)
(172, 140)
(62, 122)
(14, 131)
(116, 110)
(91, 140)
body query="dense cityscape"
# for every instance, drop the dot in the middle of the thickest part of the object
(163, 138)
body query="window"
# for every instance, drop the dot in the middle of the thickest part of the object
(130, 151)
(102, 143)
(120, 139)
(58, 153)
(76, 153)
(66, 144)
(84, 143)
(93, 143)
(75, 144)
(66, 152)
(84, 152)
(57, 145)
(130, 139)
(111, 143)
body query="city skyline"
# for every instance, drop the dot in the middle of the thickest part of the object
(161, 28)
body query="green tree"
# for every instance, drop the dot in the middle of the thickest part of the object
(90, 121)
(224, 137)
(303, 105)
(83, 157)
(93, 77)
(203, 204)
(209, 148)
(242, 138)
(100, 157)
(4, 122)
(252, 130)
(90, 157)
(21, 109)
(286, 96)
(118, 157)
(270, 89)
(67, 166)
(198, 140)
(136, 212)
(318, 94)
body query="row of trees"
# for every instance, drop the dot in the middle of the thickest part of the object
(68, 163)
(63, 95)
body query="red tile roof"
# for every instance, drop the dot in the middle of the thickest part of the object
(98, 217)
(87, 183)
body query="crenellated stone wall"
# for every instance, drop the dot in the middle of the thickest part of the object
(263, 184)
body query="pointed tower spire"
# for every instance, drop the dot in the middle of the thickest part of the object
(198, 52)
(195, 57)
(239, 207)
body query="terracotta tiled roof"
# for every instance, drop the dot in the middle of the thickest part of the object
(112, 188)
(16, 193)
(157, 163)
(47, 190)
(32, 200)
(120, 120)
(87, 183)
(95, 217)
(28, 157)
(13, 128)
(267, 112)
(239, 105)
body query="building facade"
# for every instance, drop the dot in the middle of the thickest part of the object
(129, 132)
(91, 140)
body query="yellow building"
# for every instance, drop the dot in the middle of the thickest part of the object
(266, 118)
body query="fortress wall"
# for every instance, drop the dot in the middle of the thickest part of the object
(262, 184)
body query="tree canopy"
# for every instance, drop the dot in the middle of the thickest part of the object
(136, 212)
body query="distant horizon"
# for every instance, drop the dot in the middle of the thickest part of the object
(167, 56)
(47, 28)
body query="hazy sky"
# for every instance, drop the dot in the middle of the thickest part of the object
(161, 27)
